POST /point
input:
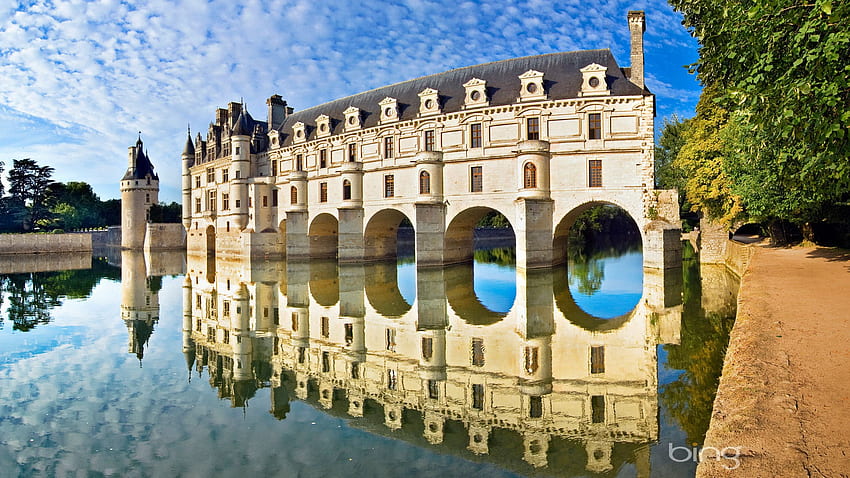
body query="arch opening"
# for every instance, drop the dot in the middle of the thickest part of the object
(323, 236)
(389, 235)
(748, 233)
(480, 229)
(383, 290)
(598, 249)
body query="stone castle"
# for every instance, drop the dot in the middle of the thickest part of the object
(538, 139)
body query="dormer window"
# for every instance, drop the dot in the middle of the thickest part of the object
(389, 110)
(531, 86)
(352, 118)
(476, 93)
(299, 132)
(323, 126)
(593, 82)
(429, 102)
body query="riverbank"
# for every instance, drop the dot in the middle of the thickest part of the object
(783, 404)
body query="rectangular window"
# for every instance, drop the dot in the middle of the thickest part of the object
(476, 179)
(225, 201)
(299, 162)
(535, 407)
(238, 203)
(323, 192)
(210, 175)
(323, 158)
(391, 340)
(225, 175)
(433, 389)
(349, 334)
(594, 173)
(429, 140)
(531, 361)
(594, 126)
(197, 204)
(238, 174)
(389, 149)
(274, 197)
(355, 370)
(237, 150)
(532, 128)
(274, 168)
(265, 201)
(389, 186)
(197, 181)
(352, 153)
(302, 354)
(597, 359)
(226, 338)
(326, 327)
(427, 348)
(392, 379)
(326, 362)
(597, 409)
(478, 396)
(226, 307)
(475, 135)
(478, 352)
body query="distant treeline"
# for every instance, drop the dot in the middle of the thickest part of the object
(37, 203)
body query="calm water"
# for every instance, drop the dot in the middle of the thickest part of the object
(223, 368)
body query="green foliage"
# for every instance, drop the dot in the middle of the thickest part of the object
(600, 226)
(781, 70)
(503, 256)
(705, 336)
(29, 186)
(166, 213)
(666, 149)
(700, 161)
(494, 219)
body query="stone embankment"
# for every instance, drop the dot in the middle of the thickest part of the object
(44, 243)
(783, 405)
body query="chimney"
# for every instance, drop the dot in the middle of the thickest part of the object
(277, 111)
(131, 157)
(637, 25)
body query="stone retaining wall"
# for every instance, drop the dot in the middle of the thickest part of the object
(164, 237)
(44, 243)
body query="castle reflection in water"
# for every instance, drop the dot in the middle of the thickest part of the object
(544, 380)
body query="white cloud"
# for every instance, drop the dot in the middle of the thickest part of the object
(97, 72)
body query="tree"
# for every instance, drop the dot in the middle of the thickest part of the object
(780, 69)
(28, 187)
(73, 205)
(669, 144)
(700, 161)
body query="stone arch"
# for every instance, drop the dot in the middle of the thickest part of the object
(565, 303)
(323, 236)
(382, 290)
(562, 227)
(324, 282)
(381, 235)
(461, 296)
(459, 243)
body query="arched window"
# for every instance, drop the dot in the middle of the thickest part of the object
(346, 189)
(293, 195)
(529, 176)
(424, 183)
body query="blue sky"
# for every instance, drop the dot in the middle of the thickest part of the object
(79, 79)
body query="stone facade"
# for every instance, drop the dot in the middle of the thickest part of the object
(539, 139)
(343, 337)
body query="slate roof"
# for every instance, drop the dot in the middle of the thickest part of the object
(561, 75)
(142, 165)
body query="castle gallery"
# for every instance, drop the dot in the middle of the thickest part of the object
(539, 139)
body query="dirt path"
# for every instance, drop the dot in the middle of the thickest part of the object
(784, 396)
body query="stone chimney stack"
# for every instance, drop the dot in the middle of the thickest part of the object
(277, 112)
(637, 25)
(131, 157)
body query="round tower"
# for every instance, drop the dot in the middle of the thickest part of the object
(188, 160)
(240, 146)
(139, 190)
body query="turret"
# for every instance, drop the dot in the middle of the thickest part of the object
(139, 190)
(188, 160)
(240, 148)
